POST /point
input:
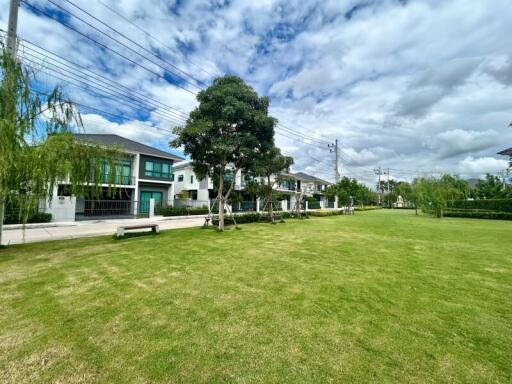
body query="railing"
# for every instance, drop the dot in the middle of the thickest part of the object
(329, 204)
(244, 206)
(117, 179)
(89, 209)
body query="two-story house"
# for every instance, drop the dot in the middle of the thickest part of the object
(198, 192)
(142, 173)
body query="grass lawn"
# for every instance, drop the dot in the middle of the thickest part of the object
(381, 296)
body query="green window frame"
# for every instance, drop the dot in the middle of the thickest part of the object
(158, 169)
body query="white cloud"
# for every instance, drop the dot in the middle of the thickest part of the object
(422, 85)
(482, 165)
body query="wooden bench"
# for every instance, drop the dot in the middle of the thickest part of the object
(123, 228)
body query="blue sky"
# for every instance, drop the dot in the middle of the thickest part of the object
(402, 84)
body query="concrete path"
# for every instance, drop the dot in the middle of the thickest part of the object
(13, 234)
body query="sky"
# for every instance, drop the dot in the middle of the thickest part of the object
(416, 86)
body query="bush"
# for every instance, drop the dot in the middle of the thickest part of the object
(334, 212)
(13, 217)
(40, 217)
(367, 208)
(478, 214)
(183, 211)
(500, 205)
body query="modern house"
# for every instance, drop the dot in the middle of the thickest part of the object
(143, 173)
(189, 190)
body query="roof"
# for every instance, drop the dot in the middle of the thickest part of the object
(124, 143)
(506, 152)
(306, 177)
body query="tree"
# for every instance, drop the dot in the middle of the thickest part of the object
(228, 130)
(434, 194)
(268, 164)
(37, 148)
(348, 188)
(490, 188)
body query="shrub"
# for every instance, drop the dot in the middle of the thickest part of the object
(183, 211)
(334, 212)
(40, 217)
(12, 217)
(501, 205)
(367, 208)
(478, 214)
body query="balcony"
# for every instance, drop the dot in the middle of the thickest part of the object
(117, 179)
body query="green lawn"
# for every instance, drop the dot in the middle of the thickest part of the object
(381, 296)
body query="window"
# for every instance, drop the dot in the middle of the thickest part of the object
(158, 169)
(123, 171)
(180, 178)
(192, 179)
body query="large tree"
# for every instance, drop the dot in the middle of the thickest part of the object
(228, 131)
(37, 148)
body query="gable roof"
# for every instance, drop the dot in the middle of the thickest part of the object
(124, 143)
(306, 177)
(506, 152)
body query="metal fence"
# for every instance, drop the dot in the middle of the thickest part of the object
(244, 206)
(90, 209)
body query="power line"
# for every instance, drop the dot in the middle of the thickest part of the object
(153, 37)
(103, 45)
(129, 39)
(101, 85)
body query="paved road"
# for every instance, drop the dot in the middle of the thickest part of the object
(54, 231)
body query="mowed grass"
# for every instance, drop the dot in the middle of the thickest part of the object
(381, 296)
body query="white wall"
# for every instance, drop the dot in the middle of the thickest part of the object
(62, 208)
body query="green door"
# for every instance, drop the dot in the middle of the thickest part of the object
(144, 201)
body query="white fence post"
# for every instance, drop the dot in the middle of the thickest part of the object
(258, 204)
(307, 205)
(151, 208)
(335, 202)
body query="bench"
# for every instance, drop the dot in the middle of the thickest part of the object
(123, 228)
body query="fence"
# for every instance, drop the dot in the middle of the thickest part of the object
(88, 209)
(244, 206)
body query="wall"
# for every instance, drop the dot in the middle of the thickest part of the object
(62, 208)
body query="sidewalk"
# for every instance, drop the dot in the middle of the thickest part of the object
(13, 234)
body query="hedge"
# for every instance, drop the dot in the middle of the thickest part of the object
(36, 217)
(183, 211)
(367, 208)
(334, 212)
(478, 214)
(501, 205)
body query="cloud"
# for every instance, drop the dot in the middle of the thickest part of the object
(481, 165)
(408, 85)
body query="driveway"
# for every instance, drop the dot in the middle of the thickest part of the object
(13, 234)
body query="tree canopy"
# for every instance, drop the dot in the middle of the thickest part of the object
(229, 129)
(347, 189)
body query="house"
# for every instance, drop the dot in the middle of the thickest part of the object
(506, 152)
(143, 173)
(193, 192)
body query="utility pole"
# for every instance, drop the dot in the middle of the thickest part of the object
(12, 43)
(378, 172)
(12, 29)
(334, 148)
(388, 179)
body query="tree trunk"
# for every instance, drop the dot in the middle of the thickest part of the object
(270, 201)
(1, 221)
(221, 202)
(416, 209)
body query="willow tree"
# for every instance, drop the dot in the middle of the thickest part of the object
(37, 148)
(226, 133)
